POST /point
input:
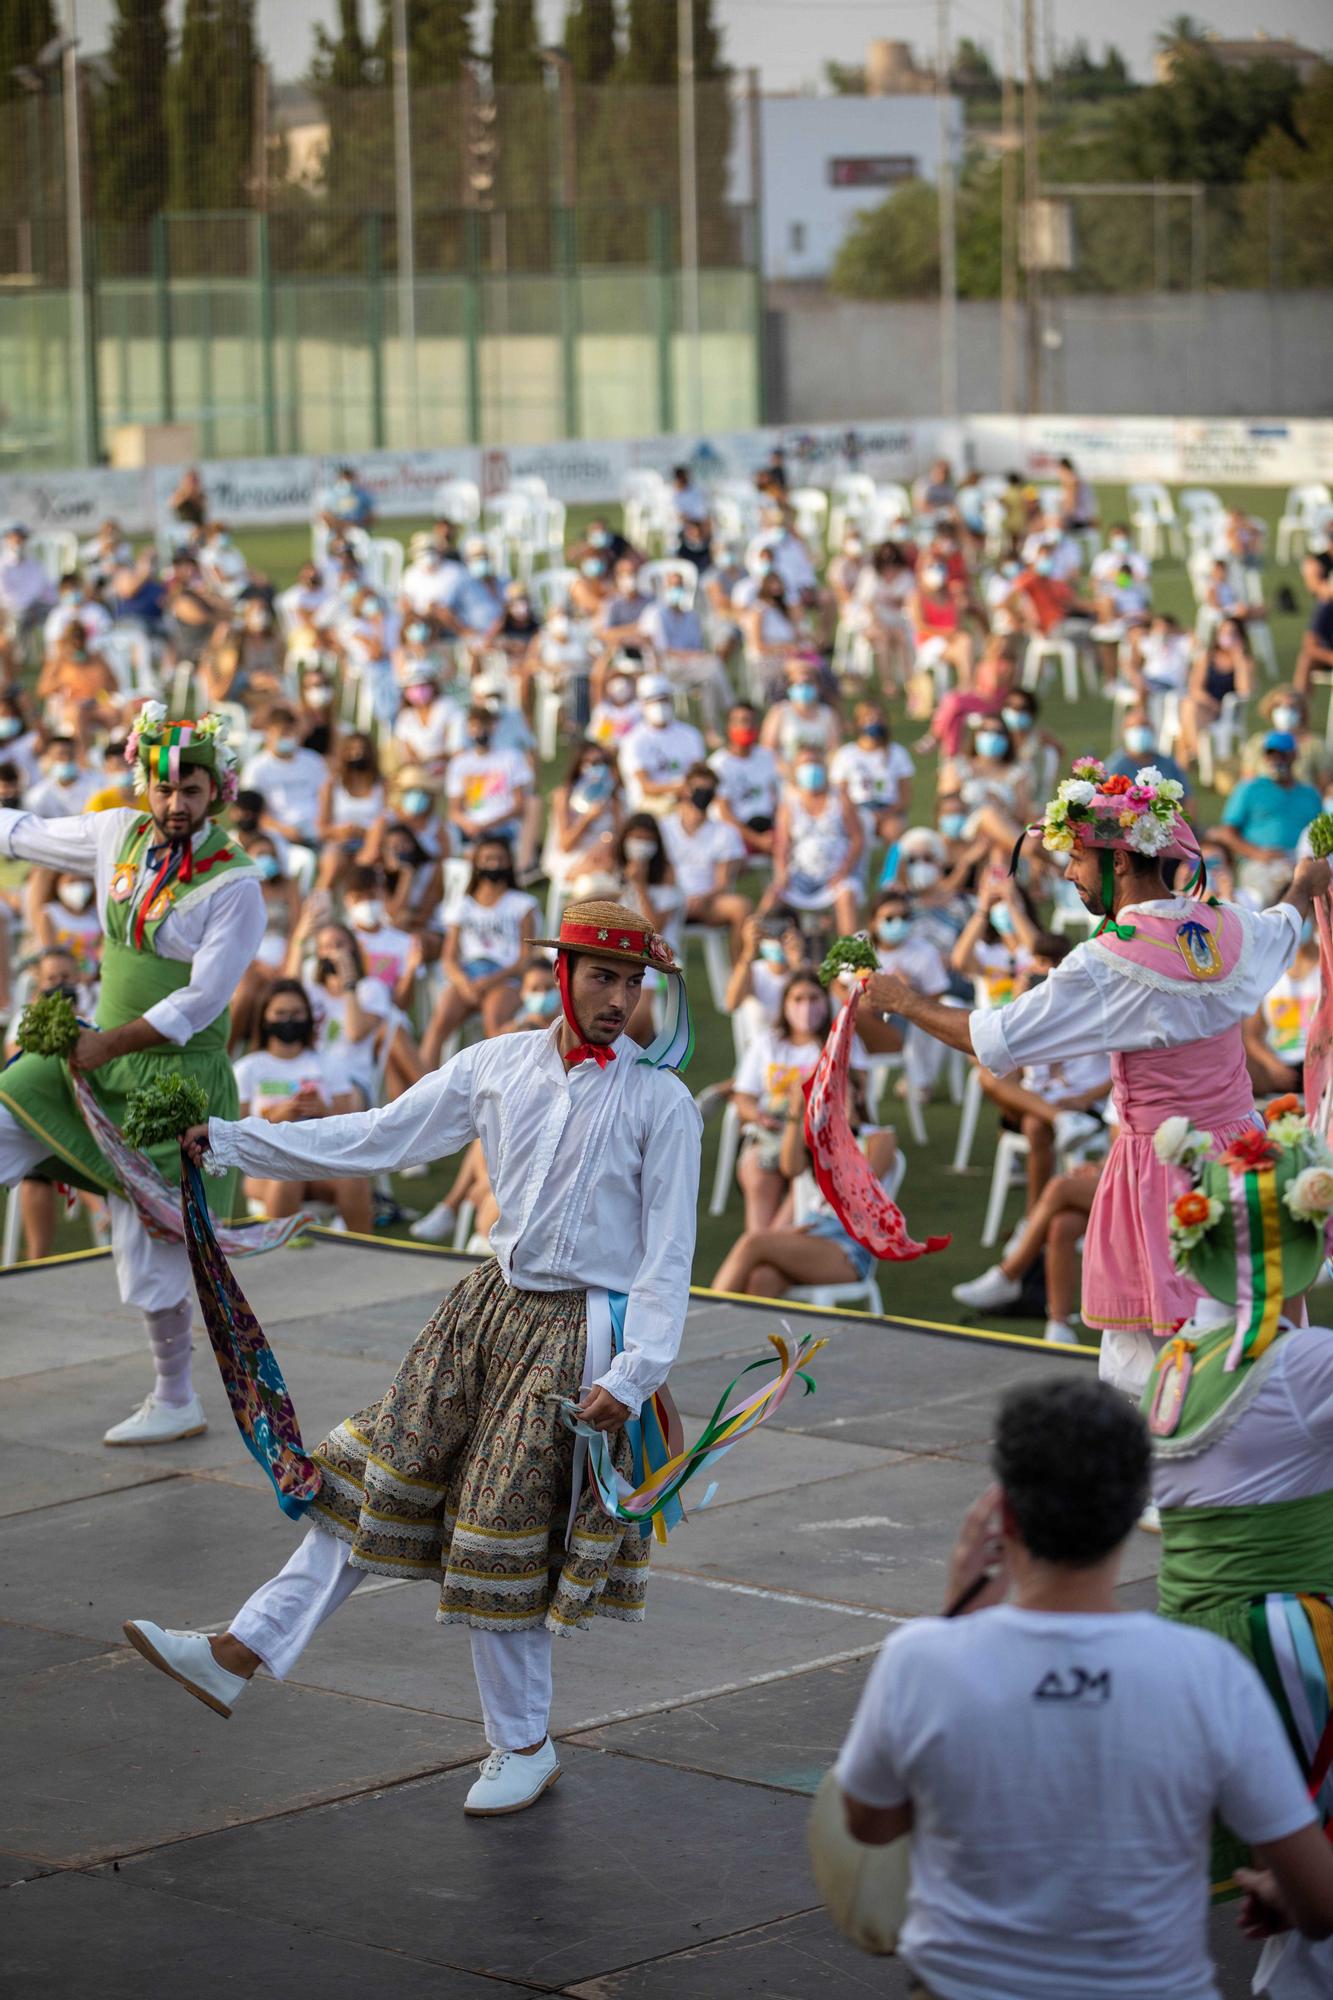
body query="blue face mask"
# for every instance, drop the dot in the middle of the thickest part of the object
(989, 745)
(892, 930)
(268, 866)
(1043, 565)
(10, 727)
(543, 1003)
(811, 777)
(952, 824)
(416, 802)
(1017, 719)
(1139, 739)
(595, 782)
(676, 597)
(417, 634)
(804, 694)
(592, 565)
(67, 773)
(1002, 919)
(770, 950)
(479, 567)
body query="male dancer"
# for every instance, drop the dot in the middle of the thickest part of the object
(183, 915)
(461, 1472)
(1162, 987)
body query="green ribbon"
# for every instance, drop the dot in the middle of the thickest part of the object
(1125, 932)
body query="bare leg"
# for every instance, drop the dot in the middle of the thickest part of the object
(763, 1189)
(1062, 1263)
(1041, 1154)
(499, 1008)
(451, 1010)
(37, 1208)
(796, 1258)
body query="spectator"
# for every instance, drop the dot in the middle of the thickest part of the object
(803, 721)
(116, 788)
(350, 803)
(285, 1078)
(429, 580)
(290, 778)
(25, 589)
(1158, 657)
(747, 780)
(775, 1060)
(648, 884)
(1165, 1726)
(474, 612)
(1287, 712)
(422, 726)
(1078, 502)
(488, 936)
(1052, 1230)
(772, 949)
(767, 629)
(874, 774)
(997, 944)
(77, 687)
(538, 998)
(487, 787)
(705, 853)
(672, 629)
(904, 945)
(348, 504)
(817, 845)
(617, 712)
(1222, 670)
(587, 812)
(1139, 740)
(75, 605)
(1316, 653)
(354, 1014)
(1275, 1036)
(191, 612)
(67, 785)
(413, 877)
(658, 751)
(938, 635)
(1265, 817)
(618, 622)
(878, 613)
(63, 917)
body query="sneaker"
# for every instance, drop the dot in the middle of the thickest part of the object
(188, 1658)
(436, 1226)
(509, 1782)
(1074, 1129)
(991, 1289)
(155, 1422)
(1150, 1520)
(1059, 1333)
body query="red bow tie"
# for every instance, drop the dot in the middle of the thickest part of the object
(600, 1056)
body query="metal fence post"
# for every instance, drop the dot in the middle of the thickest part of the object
(472, 321)
(567, 261)
(166, 392)
(268, 387)
(375, 314)
(666, 318)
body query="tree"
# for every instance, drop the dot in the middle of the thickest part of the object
(972, 73)
(344, 70)
(845, 79)
(651, 44)
(210, 107)
(515, 44)
(1202, 124)
(590, 38)
(439, 40)
(130, 118)
(1182, 31)
(893, 251)
(26, 26)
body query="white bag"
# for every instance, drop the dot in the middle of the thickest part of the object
(864, 1888)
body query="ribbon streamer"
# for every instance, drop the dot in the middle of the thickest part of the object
(729, 1423)
(1319, 1036)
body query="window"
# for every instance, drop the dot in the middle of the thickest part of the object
(872, 170)
(796, 238)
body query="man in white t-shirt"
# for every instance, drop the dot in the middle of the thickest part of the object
(289, 777)
(705, 854)
(658, 751)
(487, 787)
(1057, 1761)
(747, 780)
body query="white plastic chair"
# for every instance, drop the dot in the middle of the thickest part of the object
(852, 499)
(385, 565)
(1011, 1152)
(530, 484)
(128, 651)
(812, 509)
(459, 501)
(1152, 516)
(57, 550)
(1205, 516)
(646, 503)
(862, 1294)
(879, 1069)
(1065, 654)
(11, 1239)
(653, 575)
(549, 590)
(717, 960)
(1303, 507)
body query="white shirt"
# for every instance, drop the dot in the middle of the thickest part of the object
(1281, 1448)
(596, 1172)
(486, 784)
(749, 784)
(694, 857)
(263, 1078)
(424, 732)
(383, 952)
(351, 1062)
(663, 756)
(49, 798)
(1089, 1002)
(215, 931)
(428, 583)
(291, 785)
(872, 777)
(1108, 563)
(791, 560)
(491, 930)
(917, 961)
(23, 583)
(93, 617)
(1063, 1770)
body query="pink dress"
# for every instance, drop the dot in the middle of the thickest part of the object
(1129, 1281)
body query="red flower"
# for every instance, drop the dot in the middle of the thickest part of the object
(1115, 786)
(1252, 1150)
(1283, 1107)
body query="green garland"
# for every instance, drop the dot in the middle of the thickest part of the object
(848, 954)
(48, 1026)
(163, 1109)
(1321, 836)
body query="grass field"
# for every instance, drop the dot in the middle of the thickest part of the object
(936, 1200)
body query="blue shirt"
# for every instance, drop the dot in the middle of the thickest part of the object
(1271, 815)
(476, 601)
(1126, 765)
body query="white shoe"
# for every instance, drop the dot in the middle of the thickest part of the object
(1074, 1129)
(992, 1288)
(508, 1782)
(1150, 1520)
(156, 1422)
(188, 1658)
(437, 1224)
(1059, 1333)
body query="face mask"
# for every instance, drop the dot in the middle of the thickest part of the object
(807, 1015)
(933, 577)
(989, 745)
(367, 914)
(292, 1033)
(319, 697)
(1120, 543)
(71, 993)
(75, 895)
(479, 566)
(742, 737)
(619, 691)
(269, 867)
(10, 727)
(1017, 719)
(640, 850)
(952, 824)
(349, 590)
(286, 746)
(417, 634)
(592, 565)
(701, 797)
(416, 802)
(11, 801)
(804, 695)
(874, 732)
(544, 1003)
(770, 950)
(659, 712)
(1002, 919)
(1139, 739)
(811, 777)
(1286, 718)
(558, 625)
(599, 538)
(676, 597)
(66, 773)
(852, 546)
(480, 738)
(892, 930)
(922, 874)
(1043, 565)
(595, 782)
(502, 874)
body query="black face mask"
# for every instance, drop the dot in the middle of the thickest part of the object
(71, 993)
(480, 739)
(246, 822)
(358, 762)
(12, 799)
(875, 732)
(495, 875)
(702, 797)
(293, 1033)
(325, 968)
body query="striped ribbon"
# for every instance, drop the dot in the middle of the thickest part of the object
(1257, 1223)
(674, 1046)
(1292, 1638)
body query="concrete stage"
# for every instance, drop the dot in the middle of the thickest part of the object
(149, 1849)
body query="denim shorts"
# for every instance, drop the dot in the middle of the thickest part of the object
(829, 1227)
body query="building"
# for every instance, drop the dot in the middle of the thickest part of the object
(824, 159)
(1243, 54)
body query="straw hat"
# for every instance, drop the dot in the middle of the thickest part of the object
(611, 930)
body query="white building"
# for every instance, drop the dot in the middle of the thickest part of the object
(823, 159)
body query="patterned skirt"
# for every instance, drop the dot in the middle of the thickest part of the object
(462, 1470)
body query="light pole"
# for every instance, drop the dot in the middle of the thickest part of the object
(689, 207)
(948, 225)
(81, 350)
(406, 216)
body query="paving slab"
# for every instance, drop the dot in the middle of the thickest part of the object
(794, 1959)
(697, 1639)
(551, 1896)
(26, 1650)
(48, 1476)
(106, 1756)
(140, 1945)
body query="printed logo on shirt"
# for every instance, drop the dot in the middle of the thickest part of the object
(1075, 1685)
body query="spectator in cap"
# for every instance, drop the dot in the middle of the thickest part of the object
(1265, 818)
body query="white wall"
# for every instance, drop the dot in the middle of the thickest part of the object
(805, 215)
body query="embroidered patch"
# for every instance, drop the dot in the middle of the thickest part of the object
(122, 881)
(1173, 1380)
(1198, 947)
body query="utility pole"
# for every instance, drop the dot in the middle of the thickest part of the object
(1031, 186)
(406, 217)
(689, 208)
(1009, 142)
(81, 333)
(948, 223)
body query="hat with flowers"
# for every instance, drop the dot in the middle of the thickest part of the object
(161, 748)
(1250, 1229)
(1097, 808)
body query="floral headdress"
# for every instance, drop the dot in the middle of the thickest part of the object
(1095, 808)
(160, 748)
(1251, 1228)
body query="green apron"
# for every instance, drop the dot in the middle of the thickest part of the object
(36, 1089)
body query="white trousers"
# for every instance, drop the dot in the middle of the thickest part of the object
(150, 1275)
(513, 1669)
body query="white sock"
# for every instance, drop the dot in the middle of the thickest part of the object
(169, 1338)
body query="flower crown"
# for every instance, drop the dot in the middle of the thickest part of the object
(153, 730)
(1096, 809)
(1287, 1137)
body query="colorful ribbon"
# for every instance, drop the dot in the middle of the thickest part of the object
(1258, 1227)
(730, 1422)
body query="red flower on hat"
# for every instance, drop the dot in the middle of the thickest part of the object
(1252, 1150)
(1116, 785)
(1284, 1107)
(658, 949)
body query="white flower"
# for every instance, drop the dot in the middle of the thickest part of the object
(1292, 1130)
(152, 713)
(1171, 1141)
(1171, 790)
(1078, 792)
(1310, 1196)
(1150, 778)
(1149, 835)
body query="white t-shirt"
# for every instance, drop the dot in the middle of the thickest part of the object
(1063, 1771)
(611, 722)
(50, 799)
(1166, 660)
(663, 756)
(263, 1079)
(694, 856)
(748, 784)
(490, 930)
(351, 1062)
(384, 952)
(1287, 1009)
(486, 783)
(872, 777)
(424, 732)
(918, 962)
(290, 785)
(1108, 563)
(769, 1068)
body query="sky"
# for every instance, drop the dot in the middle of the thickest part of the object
(789, 41)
